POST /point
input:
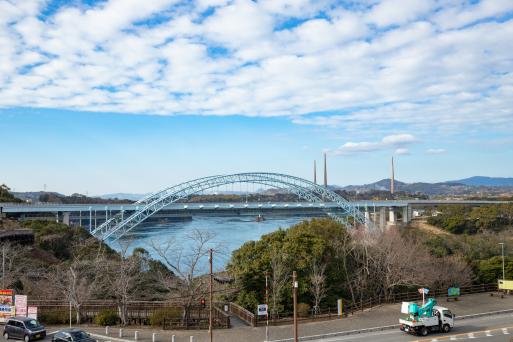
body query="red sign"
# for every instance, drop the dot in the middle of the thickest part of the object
(6, 292)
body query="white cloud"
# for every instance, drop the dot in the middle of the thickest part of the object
(388, 12)
(437, 66)
(389, 141)
(436, 151)
(402, 151)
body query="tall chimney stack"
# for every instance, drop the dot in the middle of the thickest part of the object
(325, 172)
(315, 172)
(392, 178)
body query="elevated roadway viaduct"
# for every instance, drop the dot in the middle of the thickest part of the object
(91, 215)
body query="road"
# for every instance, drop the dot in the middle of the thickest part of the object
(486, 329)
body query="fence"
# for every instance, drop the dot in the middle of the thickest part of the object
(199, 319)
(138, 313)
(349, 309)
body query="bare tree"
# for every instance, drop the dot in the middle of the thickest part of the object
(279, 278)
(317, 284)
(183, 258)
(121, 279)
(13, 268)
(75, 279)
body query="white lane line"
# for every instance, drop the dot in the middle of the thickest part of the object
(471, 335)
(505, 331)
(434, 340)
(453, 338)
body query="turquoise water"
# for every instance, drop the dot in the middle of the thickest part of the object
(229, 234)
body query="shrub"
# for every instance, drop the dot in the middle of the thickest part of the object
(56, 317)
(158, 316)
(106, 317)
(303, 310)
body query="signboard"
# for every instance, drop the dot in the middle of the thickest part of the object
(262, 309)
(32, 312)
(423, 291)
(453, 292)
(6, 305)
(20, 303)
(505, 284)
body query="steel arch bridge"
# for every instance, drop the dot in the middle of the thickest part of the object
(118, 225)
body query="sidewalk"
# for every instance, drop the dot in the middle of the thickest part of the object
(381, 316)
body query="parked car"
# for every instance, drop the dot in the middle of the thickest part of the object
(25, 328)
(72, 335)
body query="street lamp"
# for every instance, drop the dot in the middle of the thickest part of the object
(503, 273)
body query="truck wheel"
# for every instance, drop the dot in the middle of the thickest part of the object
(6, 335)
(26, 338)
(423, 331)
(446, 328)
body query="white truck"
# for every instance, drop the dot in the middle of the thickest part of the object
(425, 319)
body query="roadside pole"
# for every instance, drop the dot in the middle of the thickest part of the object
(70, 313)
(267, 304)
(294, 294)
(210, 327)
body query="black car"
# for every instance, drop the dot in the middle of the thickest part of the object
(25, 328)
(72, 335)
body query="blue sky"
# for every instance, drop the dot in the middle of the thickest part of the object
(130, 96)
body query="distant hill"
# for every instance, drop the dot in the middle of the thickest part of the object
(444, 188)
(486, 181)
(122, 196)
(55, 197)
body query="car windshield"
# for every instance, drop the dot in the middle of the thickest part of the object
(32, 323)
(78, 335)
(447, 313)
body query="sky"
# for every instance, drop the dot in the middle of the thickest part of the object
(132, 96)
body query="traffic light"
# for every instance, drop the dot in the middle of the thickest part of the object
(202, 302)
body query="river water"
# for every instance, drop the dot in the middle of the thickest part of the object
(229, 234)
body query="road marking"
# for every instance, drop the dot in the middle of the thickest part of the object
(469, 335)
(487, 333)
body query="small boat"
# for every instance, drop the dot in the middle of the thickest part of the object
(260, 218)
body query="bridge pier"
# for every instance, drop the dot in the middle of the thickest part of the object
(406, 214)
(65, 217)
(382, 218)
(391, 216)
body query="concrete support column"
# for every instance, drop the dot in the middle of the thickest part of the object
(367, 217)
(382, 218)
(391, 215)
(65, 217)
(406, 215)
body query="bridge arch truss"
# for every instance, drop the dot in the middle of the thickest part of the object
(120, 224)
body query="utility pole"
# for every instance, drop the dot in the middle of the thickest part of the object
(267, 305)
(503, 273)
(294, 295)
(210, 327)
(3, 267)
